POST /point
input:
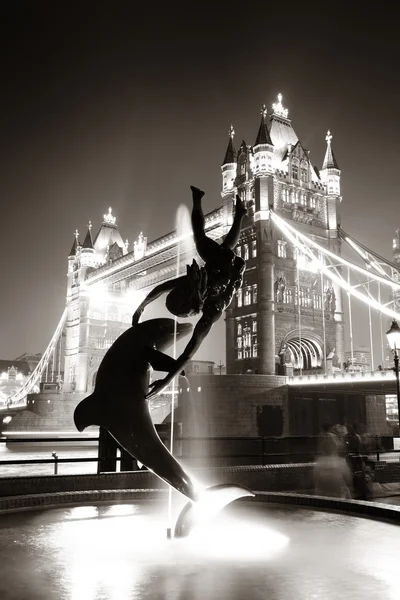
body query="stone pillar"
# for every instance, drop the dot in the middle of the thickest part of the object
(266, 304)
(230, 341)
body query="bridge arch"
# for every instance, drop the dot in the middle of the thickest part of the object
(305, 351)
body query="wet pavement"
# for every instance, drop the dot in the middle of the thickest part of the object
(249, 552)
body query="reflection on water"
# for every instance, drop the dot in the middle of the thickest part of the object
(120, 552)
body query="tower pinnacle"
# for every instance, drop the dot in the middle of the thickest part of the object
(330, 160)
(263, 136)
(230, 154)
(88, 242)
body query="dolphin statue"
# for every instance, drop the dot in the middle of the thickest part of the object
(119, 405)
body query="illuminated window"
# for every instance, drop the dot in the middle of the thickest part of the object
(317, 301)
(282, 249)
(312, 202)
(254, 293)
(247, 296)
(286, 196)
(288, 296)
(239, 329)
(254, 249)
(304, 174)
(239, 342)
(295, 171)
(239, 298)
(240, 355)
(254, 350)
(246, 251)
(247, 337)
(254, 326)
(239, 250)
(304, 296)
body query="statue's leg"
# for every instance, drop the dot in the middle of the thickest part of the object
(233, 235)
(205, 246)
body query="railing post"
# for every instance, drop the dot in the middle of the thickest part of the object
(54, 455)
(263, 450)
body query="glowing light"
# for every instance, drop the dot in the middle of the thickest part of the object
(199, 389)
(287, 229)
(109, 219)
(7, 420)
(230, 539)
(139, 247)
(278, 108)
(328, 137)
(342, 378)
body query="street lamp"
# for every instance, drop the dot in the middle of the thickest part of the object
(393, 336)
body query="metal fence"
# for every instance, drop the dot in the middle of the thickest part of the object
(217, 451)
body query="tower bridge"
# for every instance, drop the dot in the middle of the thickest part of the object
(287, 320)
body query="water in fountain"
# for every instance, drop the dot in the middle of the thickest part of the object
(251, 551)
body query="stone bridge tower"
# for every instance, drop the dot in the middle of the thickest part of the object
(285, 313)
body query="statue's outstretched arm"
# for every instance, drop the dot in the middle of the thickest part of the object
(200, 332)
(158, 291)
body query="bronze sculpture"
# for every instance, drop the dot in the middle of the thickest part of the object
(119, 403)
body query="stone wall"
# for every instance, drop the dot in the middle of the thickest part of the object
(229, 405)
(48, 411)
(270, 477)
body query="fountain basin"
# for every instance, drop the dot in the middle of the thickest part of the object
(253, 549)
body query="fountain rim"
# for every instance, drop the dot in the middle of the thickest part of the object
(354, 508)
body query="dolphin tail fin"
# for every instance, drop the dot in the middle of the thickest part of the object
(87, 413)
(211, 501)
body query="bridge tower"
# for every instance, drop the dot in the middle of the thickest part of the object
(396, 260)
(285, 313)
(93, 318)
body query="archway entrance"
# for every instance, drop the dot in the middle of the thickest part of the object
(305, 352)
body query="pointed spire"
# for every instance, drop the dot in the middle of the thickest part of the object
(263, 136)
(230, 154)
(88, 242)
(330, 160)
(75, 244)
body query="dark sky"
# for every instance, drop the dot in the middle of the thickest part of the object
(106, 104)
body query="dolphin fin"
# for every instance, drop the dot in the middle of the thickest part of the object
(88, 412)
(211, 501)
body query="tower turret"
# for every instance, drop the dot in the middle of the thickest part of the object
(228, 167)
(263, 148)
(330, 175)
(72, 257)
(88, 253)
(330, 172)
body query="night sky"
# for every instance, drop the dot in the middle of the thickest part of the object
(105, 104)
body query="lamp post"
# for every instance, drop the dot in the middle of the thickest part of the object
(393, 336)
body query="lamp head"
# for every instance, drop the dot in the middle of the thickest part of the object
(393, 336)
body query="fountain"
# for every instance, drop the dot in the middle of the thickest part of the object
(251, 550)
(254, 548)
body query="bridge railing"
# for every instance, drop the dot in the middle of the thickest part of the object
(218, 451)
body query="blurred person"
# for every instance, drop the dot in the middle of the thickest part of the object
(332, 476)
